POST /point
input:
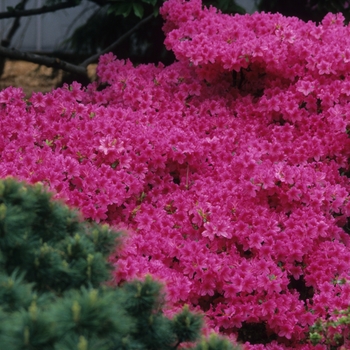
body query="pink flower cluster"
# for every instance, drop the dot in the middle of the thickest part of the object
(228, 168)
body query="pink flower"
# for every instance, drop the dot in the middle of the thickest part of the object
(38, 100)
(286, 330)
(107, 144)
(268, 307)
(306, 87)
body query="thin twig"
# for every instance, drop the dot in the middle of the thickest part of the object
(39, 11)
(111, 47)
(54, 62)
(15, 25)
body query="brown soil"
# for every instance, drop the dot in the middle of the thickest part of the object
(33, 77)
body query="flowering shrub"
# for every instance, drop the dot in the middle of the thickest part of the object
(227, 168)
(334, 331)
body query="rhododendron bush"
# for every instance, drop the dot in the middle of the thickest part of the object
(228, 168)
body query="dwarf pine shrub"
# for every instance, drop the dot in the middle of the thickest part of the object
(53, 267)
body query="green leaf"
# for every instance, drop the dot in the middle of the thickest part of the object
(151, 2)
(138, 9)
(229, 6)
(155, 11)
(123, 9)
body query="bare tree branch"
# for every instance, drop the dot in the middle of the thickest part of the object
(54, 62)
(111, 47)
(44, 60)
(15, 25)
(40, 10)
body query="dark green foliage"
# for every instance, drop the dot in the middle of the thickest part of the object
(186, 325)
(314, 10)
(255, 333)
(226, 6)
(52, 266)
(115, 18)
(144, 302)
(105, 27)
(216, 343)
(49, 242)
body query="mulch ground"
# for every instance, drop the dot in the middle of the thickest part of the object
(33, 77)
